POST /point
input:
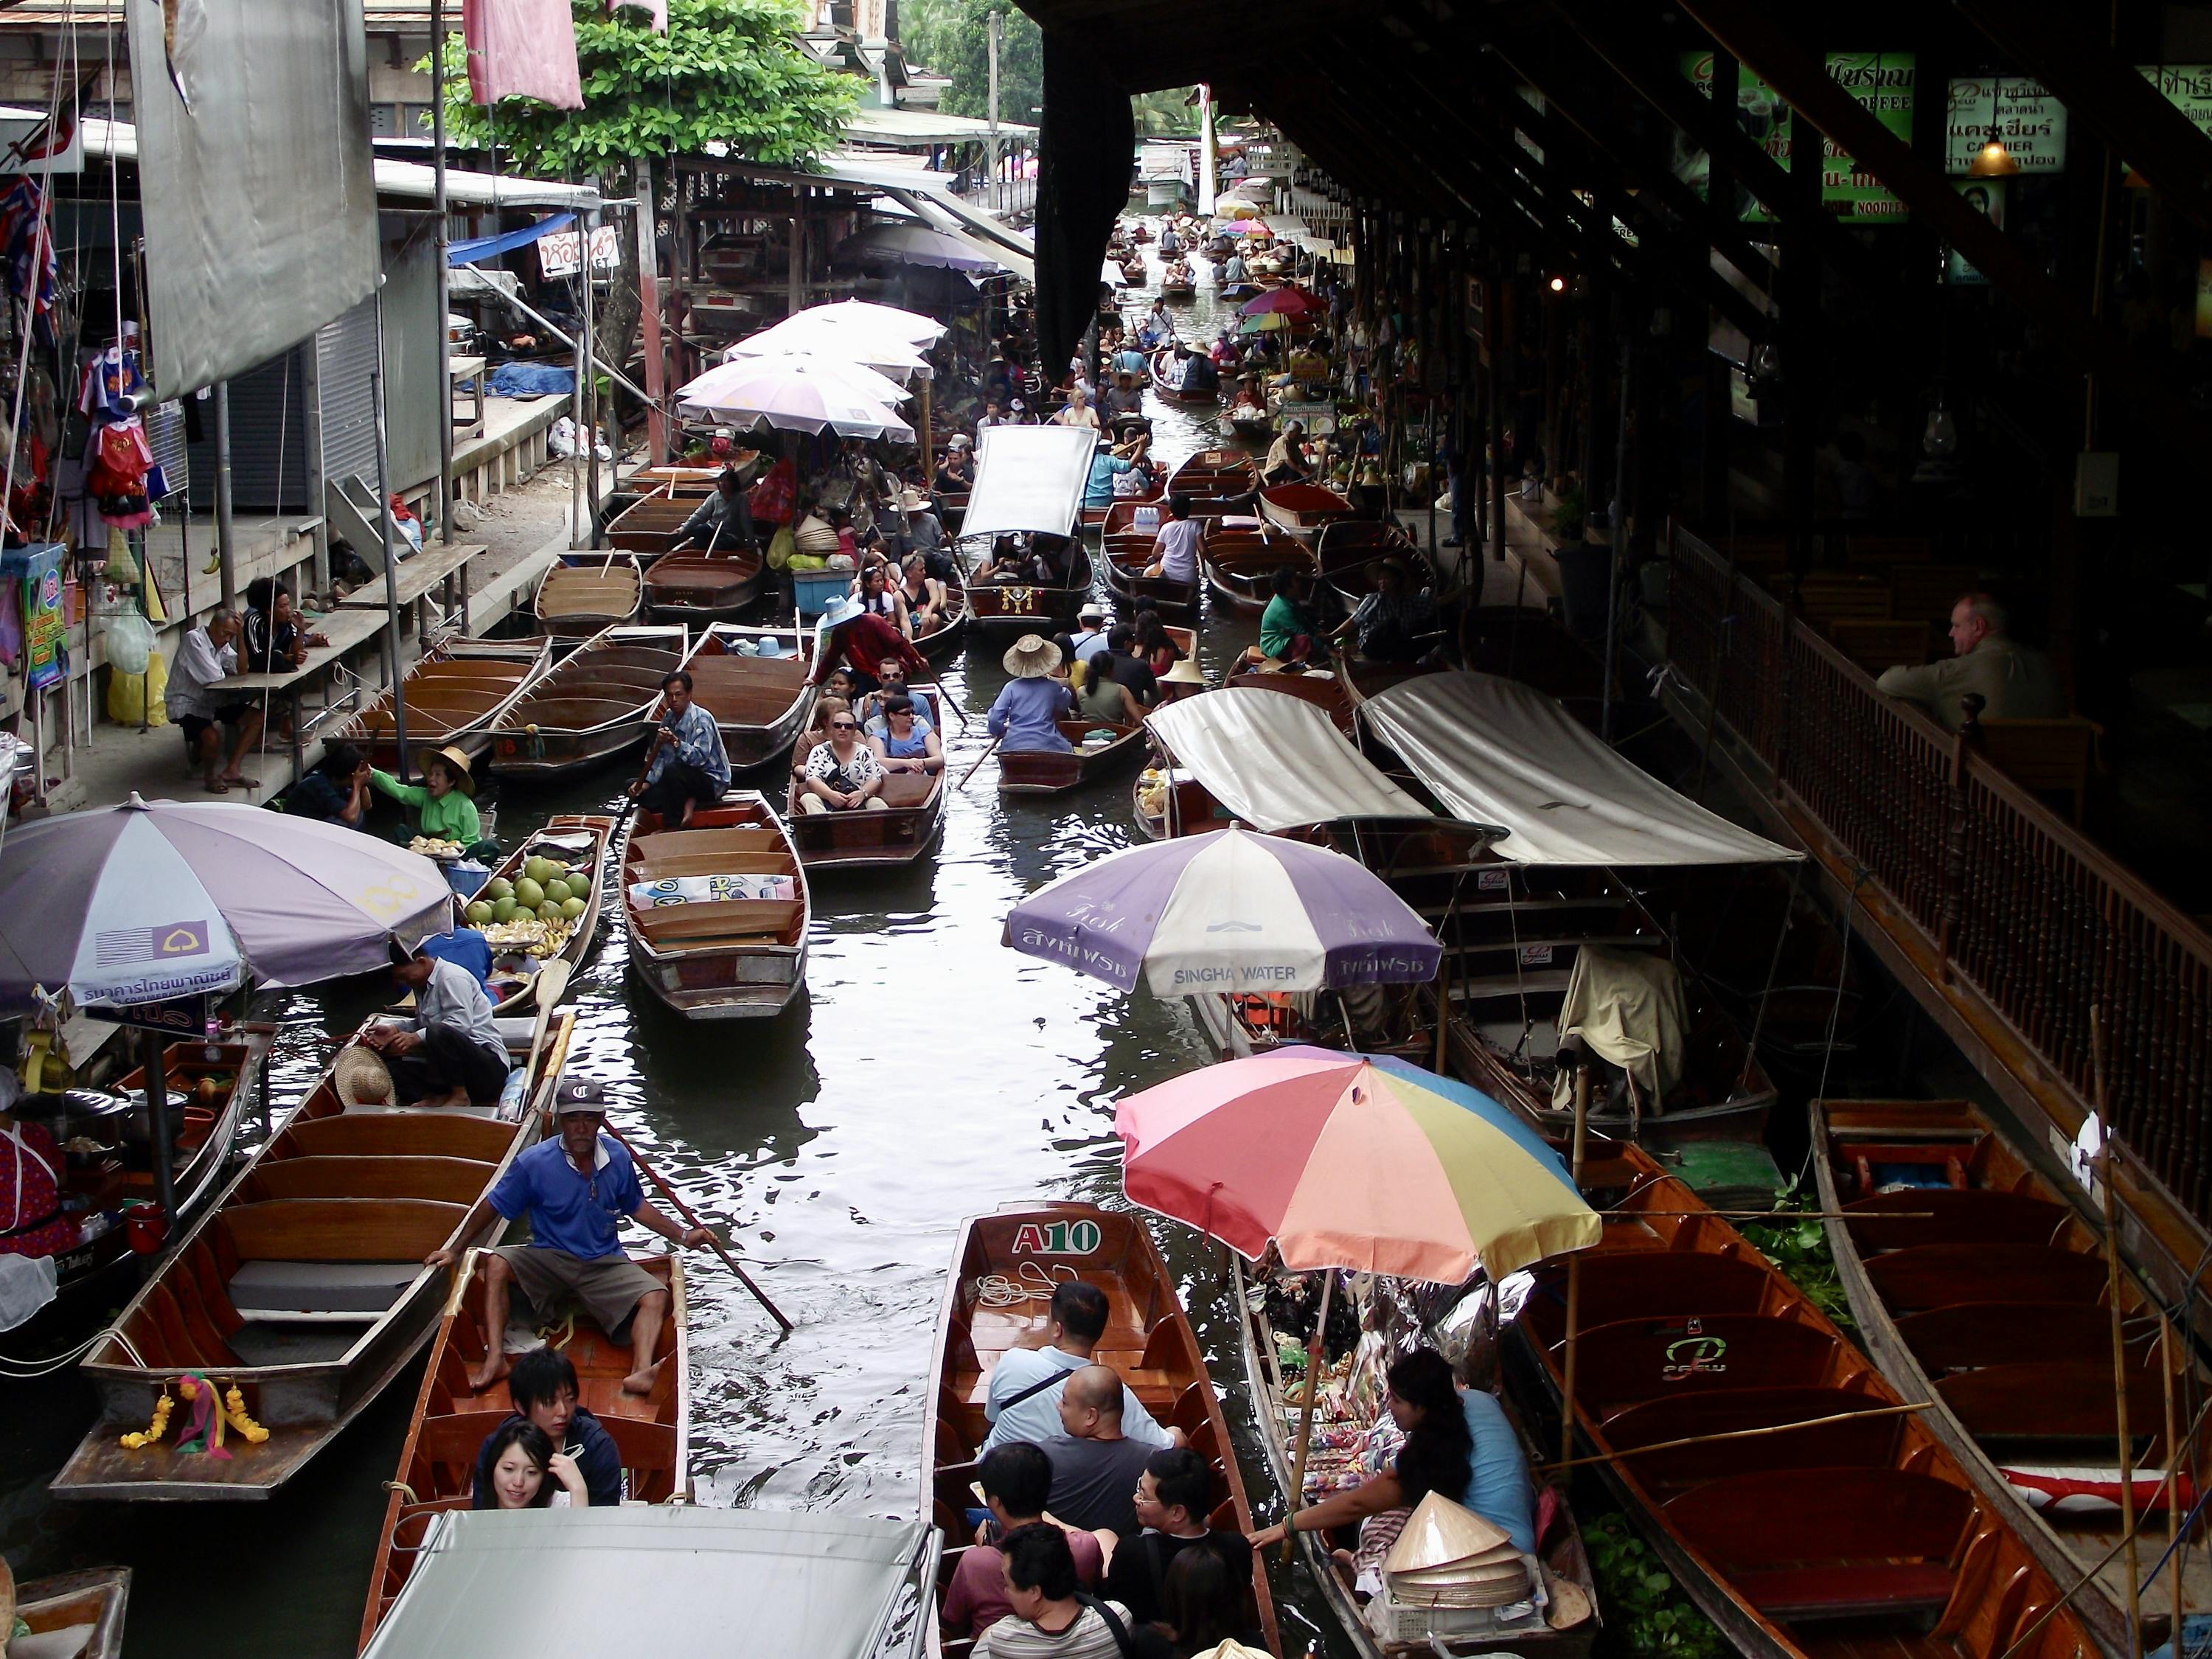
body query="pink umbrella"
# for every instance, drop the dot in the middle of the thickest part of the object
(1289, 302)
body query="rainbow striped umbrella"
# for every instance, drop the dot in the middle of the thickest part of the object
(1353, 1161)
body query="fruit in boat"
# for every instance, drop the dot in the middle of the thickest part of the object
(478, 913)
(571, 908)
(528, 893)
(504, 910)
(497, 888)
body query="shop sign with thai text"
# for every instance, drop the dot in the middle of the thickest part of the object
(1882, 82)
(2026, 115)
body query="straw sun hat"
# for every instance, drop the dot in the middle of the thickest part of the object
(361, 1077)
(1185, 673)
(1032, 657)
(464, 779)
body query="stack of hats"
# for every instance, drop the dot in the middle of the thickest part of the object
(1449, 1557)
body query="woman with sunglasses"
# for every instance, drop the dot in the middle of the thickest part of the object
(843, 772)
(906, 744)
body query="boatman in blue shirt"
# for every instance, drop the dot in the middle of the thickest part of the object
(575, 1189)
(690, 768)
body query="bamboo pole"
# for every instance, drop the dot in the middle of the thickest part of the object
(1316, 1352)
(2120, 1340)
(2168, 1359)
(1574, 1275)
(1760, 1432)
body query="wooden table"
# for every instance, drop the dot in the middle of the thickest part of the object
(345, 631)
(471, 369)
(416, 575)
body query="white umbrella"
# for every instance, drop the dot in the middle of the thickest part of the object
(742, 376)
(793, 394)
(910, 326)
(808, 333)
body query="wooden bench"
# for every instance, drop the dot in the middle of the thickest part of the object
(1865, 1442)
(1935, 1275)
(2057, 1399)
(1823, 596)
(1668, 1284)
(416, 575)
(1969, 1335)
(1637, 1359)
(2051, 758)
(1948, 1215)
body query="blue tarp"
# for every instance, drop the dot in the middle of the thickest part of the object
(487, 247)
(532, 380)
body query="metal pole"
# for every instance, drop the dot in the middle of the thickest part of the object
(1619, 535)
(648, 306)
(445, 296)
(157, 1125)
(591, 433)
(225, 532)
(997, 196)
(577, 419)
(391, 557)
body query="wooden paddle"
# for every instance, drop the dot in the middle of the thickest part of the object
(689, 1215)
(980, 759)
(545, 991)
(630, 804)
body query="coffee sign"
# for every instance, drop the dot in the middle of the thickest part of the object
(2025, 114)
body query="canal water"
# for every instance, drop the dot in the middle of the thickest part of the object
(927, 1073)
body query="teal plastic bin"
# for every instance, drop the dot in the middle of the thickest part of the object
(812, 590)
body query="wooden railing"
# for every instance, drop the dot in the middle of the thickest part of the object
(2011, 898)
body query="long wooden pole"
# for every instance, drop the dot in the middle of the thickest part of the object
(1317, 1355)
(685, 1210)
(2120, 1341)
(986, 754)
(2168, 1359)
(1760, 1432)
(1574, 1273)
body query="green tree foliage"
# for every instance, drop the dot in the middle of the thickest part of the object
(1165, 114)
(727, 71)
(953, 38)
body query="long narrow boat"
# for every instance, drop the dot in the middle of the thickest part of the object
(1167, 382)
(703, 587)
(304, 1288)
(1148, 1341)
(596, 703)
(79, 1615)
(706, 955)
(1838, 1539)
(941, 641)
(1303, 510)
(1559, 1546)
(1095, 517)
(1314, 685)
(759, 703)
(1241, 558)
(575, 601)
(1054, 772)
(652, 1432)
(454, 693)
(1218, 482)
(1128, 544)
(1350, 549)
(897, 835)
(1004, 609)
(1980, 1289)
(520, 948)
(652, 526)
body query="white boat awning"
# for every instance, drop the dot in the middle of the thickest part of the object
(1275, 763)
(1497, 750)
(654, 1579)
(1028, 478)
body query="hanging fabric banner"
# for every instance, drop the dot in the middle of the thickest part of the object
(522, 49)
(46, 631)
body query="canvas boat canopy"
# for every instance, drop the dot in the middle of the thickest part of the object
(1276, 763)
(650, 1578)
(1029, 479)
(1494, 749)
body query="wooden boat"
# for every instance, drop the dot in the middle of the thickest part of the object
(437, 1465)
(1323, 689)
(1176, 282)
(1132, 272)
(953, 510)
(1053, 772)
(1303, 510)
(453, 695)
(578, 842)
(1834, 1540)
(652, 526)
(1126, 540)
(575, 601)
(1257, 427)
(1218, 482)
(1350, 549)
(703, 587)
(736, 958)
(1007, 609)
(221, 1084)
(1241, 557)
(942, 640)
(304, 1287)
(758, 702)
(80, 1614)
(1140, 232)
(1240, 290)
(892, 839)
(1095, 517)
(1979, 1288)
(597, 702)
(1148, 1340)
(1167, 369)
(1276, 1413)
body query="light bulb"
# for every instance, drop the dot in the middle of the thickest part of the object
(1559, 285)
(1939, 442)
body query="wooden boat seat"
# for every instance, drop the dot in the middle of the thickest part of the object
(1946, 1215)
(1901, 1119)
(722, 922)
(282, 1290)
(2051, 1399)
(1635, 1360)
(907, 788)
(680, 861)
(428, 1134)
(1932, 1275)
(1968, 1334)
(449, 1179)
(567, 714)
(1668, 1284)
(725, 839)
(1824, 1544)
(1867, 1442)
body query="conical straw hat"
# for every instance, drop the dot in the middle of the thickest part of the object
(1441, 1532)
(1231, 1648)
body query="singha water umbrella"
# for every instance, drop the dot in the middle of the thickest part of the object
(731, 383)
(154, 900)
(795, 394)
(1227, 911)
(908, 325)
(807, 335)
(1247, 228)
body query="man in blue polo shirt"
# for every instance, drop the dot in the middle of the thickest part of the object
(574, 1188)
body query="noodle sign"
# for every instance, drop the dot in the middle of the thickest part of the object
(1057, 1238)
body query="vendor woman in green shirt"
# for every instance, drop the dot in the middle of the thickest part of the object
(1287, 632)
(444, 798)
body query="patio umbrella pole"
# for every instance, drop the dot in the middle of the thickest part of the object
(1316, 1351)
(157, 1125)
(1574, 1273)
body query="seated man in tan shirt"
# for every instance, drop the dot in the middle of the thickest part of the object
(2015, 682)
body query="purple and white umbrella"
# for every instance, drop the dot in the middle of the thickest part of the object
(152, 900)
(1227, 911)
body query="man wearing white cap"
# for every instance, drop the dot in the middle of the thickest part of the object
(1090, 630)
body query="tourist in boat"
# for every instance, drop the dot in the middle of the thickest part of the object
(451, 1055)
(1159, 324)
(842, 774)
(1151, 644)
(1105, 698)
(1392, 623)
(1007, 562)
(1036, 696)
(527, 1473)
(206, 654)
(1233, 270)
(1124, 662)
(1124, 401)
(841, 686)
(921, 597)
(1170, 243)
(1227, 357)
(1174, 1497)
(575, 1187)
(856, 641)
(2014, 682)
(1206, 1601)
(956, 468)
(336, 788)
(908, 743)
(1287, 460)
(1023, 1399)
(1089, 636)
(1096, 1466)
(544, 1391)
(1015, 1480)
(444, 802)
(871, 589)
(1107, 465)
(995, 414)
(690, 768)
(1287, 630)
(1131, 360)
(1176, 547)
(890, 680)
(723, 521)
(1078, 412)
(1199, 375)
(1047, 1620)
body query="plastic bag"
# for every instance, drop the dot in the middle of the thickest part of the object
(781, 547)
(129, 643)
(130, 695)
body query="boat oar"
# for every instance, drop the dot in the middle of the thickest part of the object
(686, 1211)
(545, 991)
(635, 794)
(980, 759)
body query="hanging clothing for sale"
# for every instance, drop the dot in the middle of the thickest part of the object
(118, 477)
(109, 380)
